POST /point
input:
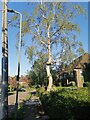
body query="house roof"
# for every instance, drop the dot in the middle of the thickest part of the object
(23, 79)
(77, 63)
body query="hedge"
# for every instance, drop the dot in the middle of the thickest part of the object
(67, 104)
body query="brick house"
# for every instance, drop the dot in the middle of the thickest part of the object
(12, 81)
(75, 69)
(23, 81)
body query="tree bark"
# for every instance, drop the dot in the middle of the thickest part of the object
(49, 76)
(48, 65)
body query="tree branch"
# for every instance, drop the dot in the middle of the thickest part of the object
(43, 14)
(41, 40)
(43, 43)
(56, 31)
(62, 24)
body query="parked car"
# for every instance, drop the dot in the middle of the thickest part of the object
(22, 89)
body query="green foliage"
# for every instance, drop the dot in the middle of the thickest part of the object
(67, 103)
(86, 84)
(27, 97)
(60, 18)
(14, 18)
(40, 91)
(30, 52)
(63, 30)
(38, 74)
(22, 107)
(11, 88)
(21, 110)
(25, 29)
(72, 83)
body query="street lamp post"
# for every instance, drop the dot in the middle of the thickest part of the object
(19, 50)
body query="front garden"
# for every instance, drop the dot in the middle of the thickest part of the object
(67, 103)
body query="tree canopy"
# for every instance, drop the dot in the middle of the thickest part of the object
(53, 33)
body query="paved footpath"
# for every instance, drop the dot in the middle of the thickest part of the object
(34, 110)
(12, 100)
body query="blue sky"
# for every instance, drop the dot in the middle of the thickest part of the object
(47, 0)
(25, 65)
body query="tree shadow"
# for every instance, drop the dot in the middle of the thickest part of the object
(27, 111)
(12, 112)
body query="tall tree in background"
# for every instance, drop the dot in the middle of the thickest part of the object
(52, 26)
(53, 34)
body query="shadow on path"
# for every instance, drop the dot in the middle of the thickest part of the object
(34, 110)
(29, 110)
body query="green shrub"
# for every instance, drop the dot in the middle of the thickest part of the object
(72, 83)
(11, 88)
(39, 91)
(86, 84)
(67, 104)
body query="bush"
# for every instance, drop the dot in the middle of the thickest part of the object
(86, 84)
(67, 104)
(39, 91)
(11, 88)
(72, 83)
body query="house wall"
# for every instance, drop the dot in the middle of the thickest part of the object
(79, 81)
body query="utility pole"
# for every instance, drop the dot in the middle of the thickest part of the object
(4, 90)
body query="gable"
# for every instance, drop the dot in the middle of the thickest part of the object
(77, 63)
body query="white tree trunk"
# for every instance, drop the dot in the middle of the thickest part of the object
(49, 76)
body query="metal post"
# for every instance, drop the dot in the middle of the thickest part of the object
(4, 90)
(19, 50)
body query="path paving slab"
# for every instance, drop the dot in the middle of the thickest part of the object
(34, 110)
(33, 107)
